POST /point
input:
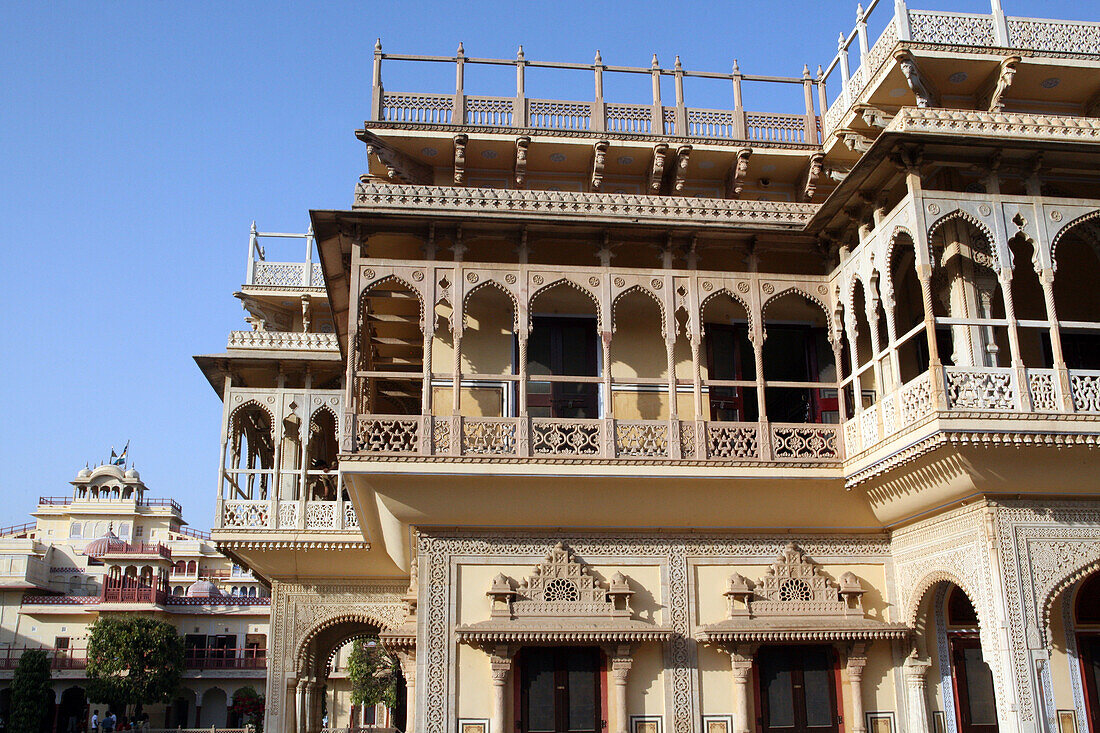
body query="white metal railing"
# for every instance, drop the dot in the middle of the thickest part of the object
(291, 275)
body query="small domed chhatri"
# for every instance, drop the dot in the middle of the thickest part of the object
(203, 589)
(101, 546)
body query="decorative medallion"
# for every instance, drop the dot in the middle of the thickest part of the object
(708, 285)
(1056, 215)
(471, 277)
(594, 281)
(510, 279)
(822, 289)
(368, 273)
(271, 400)
(984, 209)
(768, 288)
(537, 279)
(619, 282)
(742, 287)
(933, 208)
(657, 283)
(418, 275)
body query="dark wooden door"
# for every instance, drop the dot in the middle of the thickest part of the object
(562, 347)
(730, 357)
(1088, 646)
(560, 690)
(974, 698)
(797, 689)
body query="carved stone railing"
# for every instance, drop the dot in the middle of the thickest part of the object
(1065, 36)
(283, 341)
(433, 109)
(542, 438)
(1042, 386)
(954, 29)
(1085, 389)
(261, 514)
(414, 199)
(981, 388)
(287, 275)
(246, 514)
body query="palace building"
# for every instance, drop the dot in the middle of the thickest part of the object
(654, 418)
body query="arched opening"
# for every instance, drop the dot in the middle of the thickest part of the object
(1086, 617)
(215, 708)
(488, 354)
(321, 456)
(290, 455)
(639, 359)
(861, 345)
(124, 531)
(75, 585)
(1028, 305)
(798, 355)
(89, 531)
(75, 530)
(192, 567)
(72, 711)
(965, 289)
(563, 354)
(912, 340)
(181, 712)
(730, 380)
(390, 350)
(960, 682)
(328, 650)
(251, 456)
(1076, 297)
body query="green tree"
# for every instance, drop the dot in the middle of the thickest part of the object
(249, 705)
(133, 660)
(30, 691)
(373, 673)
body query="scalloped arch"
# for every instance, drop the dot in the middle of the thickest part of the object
(976, 223)
(492, 283)
(1065, 230)
(303, 655)
(576, 286)
(646, 291)
(330, 411)
(400, 281)
(788, 291)
(929, 581)
(732, 296)
(1068, 580)
(254, 403)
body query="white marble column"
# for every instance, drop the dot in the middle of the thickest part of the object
(857, 660)
(742, 678)
(916, 676)
(620, 672)
(300, 707)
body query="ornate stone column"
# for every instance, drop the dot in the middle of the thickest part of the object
(857, 660)
(408, 670)
(621, 663)
(741, 662)
(500, 664)
(916, 675)
(300, 706)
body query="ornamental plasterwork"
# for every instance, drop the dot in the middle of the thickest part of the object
(1005, 125)
(387, 197)
(1051, 544)
(439, 555)
(795, 600)
(300, 611)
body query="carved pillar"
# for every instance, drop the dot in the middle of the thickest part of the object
(408, 670)
(838, 361)
(876, 346)
(1024, 397)
(857, 660)
(300, 707)
(500, 665)
(935, 367)
(916, 675)
(853, 357)
(696, 379)
(605, 354)
(290, 719)
(1061, 373)
(621, 663)
(670, 356)
(741, 667)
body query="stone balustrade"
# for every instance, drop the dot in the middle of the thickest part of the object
(265, 514)
(283, 341)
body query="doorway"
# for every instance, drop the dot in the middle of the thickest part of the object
(560, 690)
(797, 689)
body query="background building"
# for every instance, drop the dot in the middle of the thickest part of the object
(651, 417)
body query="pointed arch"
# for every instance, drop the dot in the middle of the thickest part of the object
(930, 581)
(600, 320)
(1092, 215)
(1066, 580)
(974, 221)
(732, 296)
(645, 291)
(491, 283)
(235, 415)
(797, 290)
(305, 655)
(398, 280)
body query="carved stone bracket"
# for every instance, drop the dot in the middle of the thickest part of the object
(522, 144)
(460, 142)
(599, 160)
(682, 155)
(921, 86)
(1005, 74)
(657, 167)
(739, 171)
(399, 167)
(813, 173)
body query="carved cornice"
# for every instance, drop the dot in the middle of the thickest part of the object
(301, 545)
(412, 199)
(376, 458)
(1048, 128)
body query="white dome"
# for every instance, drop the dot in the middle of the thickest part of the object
(133, 474)
(203, 589)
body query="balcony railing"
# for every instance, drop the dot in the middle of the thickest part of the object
(276, 275)
(142, 548)
(67, 500)
(60, 659)
(288, 515)
(527, 437)
(599, 115)
(974, 31)
(225, 659)
(283, 340)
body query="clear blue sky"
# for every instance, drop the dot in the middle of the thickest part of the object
(139, 140)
